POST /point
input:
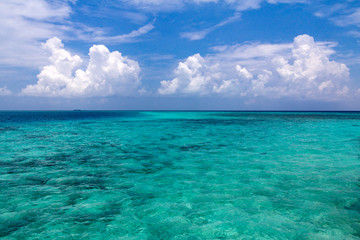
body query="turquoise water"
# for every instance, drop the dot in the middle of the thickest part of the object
(179, 175)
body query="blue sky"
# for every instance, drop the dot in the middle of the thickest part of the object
(180, 55)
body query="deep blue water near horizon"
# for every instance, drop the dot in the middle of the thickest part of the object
(179, 175)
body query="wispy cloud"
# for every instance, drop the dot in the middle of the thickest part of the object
(23, 25)
(354, 33)
(341, 14)
(155, 5)
(344, 15)
(255, 4)
(125, 38)
(176, 5)
(197, 35)
(349, 19)
(327, 11)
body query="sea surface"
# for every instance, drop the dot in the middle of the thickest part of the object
(179, 175)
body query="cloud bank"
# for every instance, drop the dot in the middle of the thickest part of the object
(107, 73)
(301, 69)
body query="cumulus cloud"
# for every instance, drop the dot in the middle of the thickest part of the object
(4, 91)
(107, 73)
(193, 76)
(310, 66)
(198, 75)
(300, 69)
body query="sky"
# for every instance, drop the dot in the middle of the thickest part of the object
(179, 55)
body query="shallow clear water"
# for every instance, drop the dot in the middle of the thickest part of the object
(179, 175)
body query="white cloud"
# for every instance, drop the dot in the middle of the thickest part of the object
(326, 11)
(301, 69)
(243, 72)
(342, 14)
(242, 5)
(251, 51)
(349, 19)
(107, 73)
(23, 24)
(4, 91)
(193, 76)
(310, 66)
(245, 4)
(130, 37)
(354, 33)
(165, 5)
(156, 5)
(197, 35)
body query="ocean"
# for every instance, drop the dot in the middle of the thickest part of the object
(179, 175)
